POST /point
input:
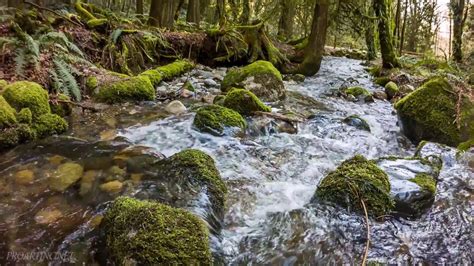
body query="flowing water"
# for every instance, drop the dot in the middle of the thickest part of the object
(271, 178)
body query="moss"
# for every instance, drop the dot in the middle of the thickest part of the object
(25, 116)
(354, 180)
(426, 182)
(62, 108)
(3, 84)
(219, 100)
(50, 124)
(25, 94)
(195, 166)
(96, 22)
(150, 233)
(466, 145)
(235, 76)
(84, 13)
(154, 76)
(382, 81)
(8, 138)
(357, 122)
(131, 89)
(7, 114)
(214, 119)
(428, 113)
(357, 91)
(174, 69)
(375, 71)
(91, 83)
(25, 133)
(391, 89)
(244, 102)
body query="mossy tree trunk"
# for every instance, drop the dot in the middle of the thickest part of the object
(382, 11)
(457, 9)
(313, 53)
(220, 12)
(287, 17)
(162, 13)
(194, 12)
(370, 33)
(245, 16)
(139, 7)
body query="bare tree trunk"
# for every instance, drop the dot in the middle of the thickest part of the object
(370, 33)
(402, 33)
(194, 12)
(457, 7)
(313, 53)
(140, 7)
(287, 17)
(220, 10)
(245, 17)
(389, 57)
(154, 16)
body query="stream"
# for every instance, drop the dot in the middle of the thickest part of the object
(271, 178)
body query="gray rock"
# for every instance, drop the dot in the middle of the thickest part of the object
(175, 107)
(210, 82)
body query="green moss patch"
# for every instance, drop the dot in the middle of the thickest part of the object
(382, 81)
(244, 102)
(25, 94)
(214, 119)
(426, 182)
(25, 116)
(429, 112)
(354, 180)
(131, 89)
(7, 114)
(50, 124)
(154, 76)
(152, 233)
(356, 91)
(391, 89)
(174, 69)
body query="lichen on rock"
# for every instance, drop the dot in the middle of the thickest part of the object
(215, 119)
(148, 232)
(260, 77)
(356, 180)
(244, 102)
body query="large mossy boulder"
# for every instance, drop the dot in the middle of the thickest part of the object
(354, 181)
(260, 77)
(412, 182)
(150, 233)
(429, 113)
(50, 124)
(7, 114)
(137, 88)
(218, 120)
(26, 94)
(244, 102)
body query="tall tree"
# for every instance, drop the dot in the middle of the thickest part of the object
(287, 18)
(220, 12)
(162, 13)
(194, 12)
(245, 16)
(382, 11)
(370, 32)
(457, 9)
(313, 53)
(139, 7)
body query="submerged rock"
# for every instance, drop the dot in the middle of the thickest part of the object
(24, 177)
(357, 122)
(260, 77)
(430, 111)
(215, 119)
(244, 102)
(412, 183)
(145, 232)
(66, 175)
(356, 180)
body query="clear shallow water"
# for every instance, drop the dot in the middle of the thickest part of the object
(272, 179)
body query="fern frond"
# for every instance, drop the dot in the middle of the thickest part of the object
(20, 62)
(70, 86)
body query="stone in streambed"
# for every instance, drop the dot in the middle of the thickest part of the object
(24, 177)
(357, 122)
(175, 107)
(48, 216)
(65, 175)
(218, 120)
(112, 187)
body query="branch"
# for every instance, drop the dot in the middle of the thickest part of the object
(52, 11)
(367, 244)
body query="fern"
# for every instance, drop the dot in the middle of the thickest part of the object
(68, 81)
(20, 62)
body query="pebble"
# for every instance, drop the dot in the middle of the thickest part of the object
(24, 177)
(48, 216)
(112, 186)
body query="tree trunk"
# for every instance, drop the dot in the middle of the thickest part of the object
(370, 34)
(140, 7)
(389, 57)
(285, 25)
(220, 11)
(194, 12)
(313, 53)
(162, 13)
(245, 17)
(15, 3)
(457, 7)
(154, 17)
(402, 33)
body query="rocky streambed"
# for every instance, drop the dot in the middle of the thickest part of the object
(255, 193)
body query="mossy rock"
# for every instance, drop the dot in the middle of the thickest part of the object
(429, 112)
(244, 102)
(356, 180)
(3, 84)
(357, 92)
(61, 108)
(382, 81)
(26, 94)
(260, 77)
(391, 89)
(426, 182)
(17, 134)
(196, 169)
(96, 22)
(219, 100)
(153, 75)
(137, 88)
(215, 119)
(174, 69)
(7, 114)
(91, 83)
(25, 116)
(357, 122)
(151, 233)
(50, 124)
(466, 145)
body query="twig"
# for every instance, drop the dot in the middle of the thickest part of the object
(54, 12)
(278, 116)
(367, 244)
